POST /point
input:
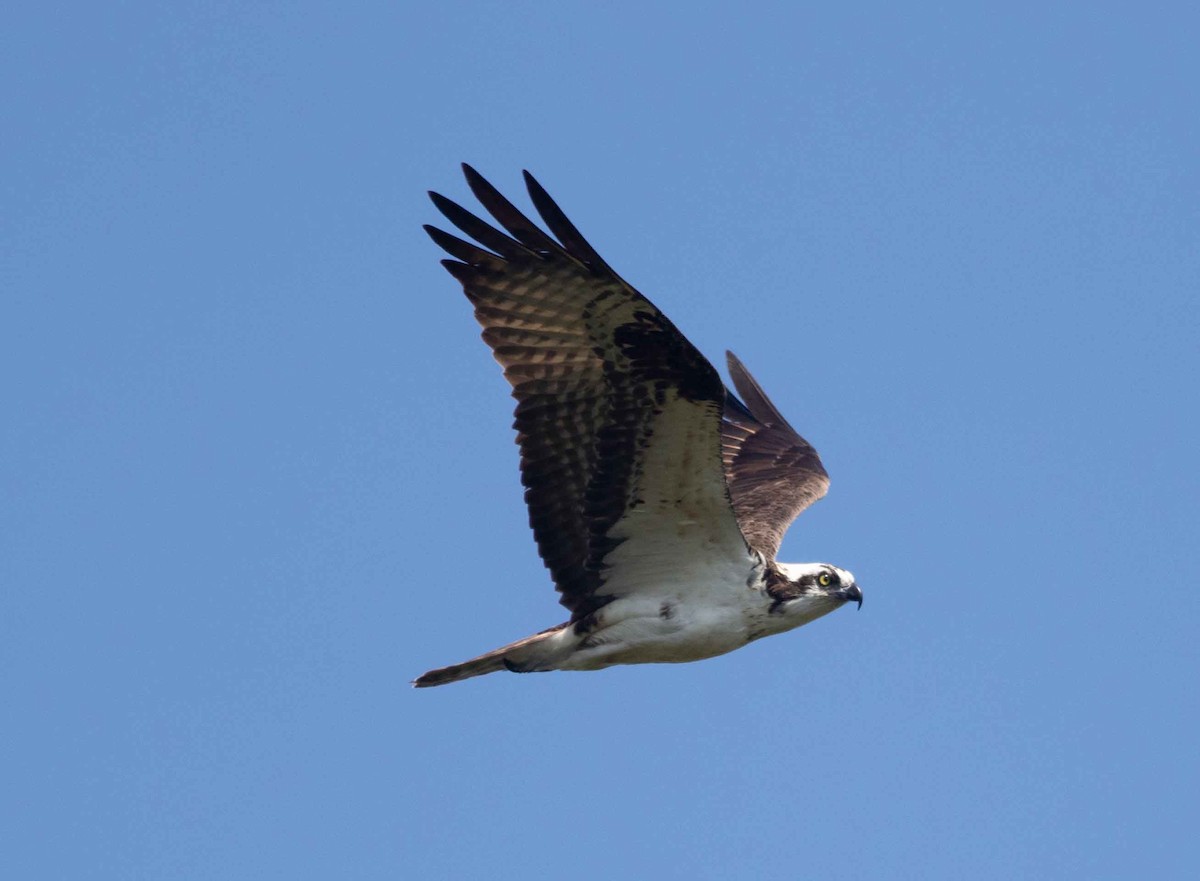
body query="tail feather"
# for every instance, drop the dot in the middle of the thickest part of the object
(522, 656)
(489, 663)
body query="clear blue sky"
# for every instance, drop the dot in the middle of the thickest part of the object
(257, 470)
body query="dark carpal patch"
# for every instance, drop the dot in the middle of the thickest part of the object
(666, 611)
(660, 355)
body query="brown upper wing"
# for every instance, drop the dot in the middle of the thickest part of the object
(773, 473)
(600, 376)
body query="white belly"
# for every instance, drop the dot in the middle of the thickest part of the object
(673, 627)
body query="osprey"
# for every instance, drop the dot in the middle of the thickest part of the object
(658, 498)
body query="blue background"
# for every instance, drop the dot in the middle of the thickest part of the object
(257, 469)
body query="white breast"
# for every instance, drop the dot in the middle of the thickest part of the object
(695, 613)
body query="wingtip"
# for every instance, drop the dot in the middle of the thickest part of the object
(440, 237)
(533, 185)
(475, 180)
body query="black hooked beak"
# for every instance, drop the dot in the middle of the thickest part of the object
(851, 593)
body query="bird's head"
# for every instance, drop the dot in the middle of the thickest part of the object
(814, 589)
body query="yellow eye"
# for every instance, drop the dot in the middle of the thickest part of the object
(824, 580)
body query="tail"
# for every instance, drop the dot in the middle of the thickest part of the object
(533, 653)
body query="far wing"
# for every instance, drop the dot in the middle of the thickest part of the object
(773, 473)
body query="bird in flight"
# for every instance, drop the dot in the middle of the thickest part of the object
(658, 498)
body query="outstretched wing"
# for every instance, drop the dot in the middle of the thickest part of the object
(618, 416)
(773, 472)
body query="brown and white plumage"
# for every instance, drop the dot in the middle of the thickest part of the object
(657, 499)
